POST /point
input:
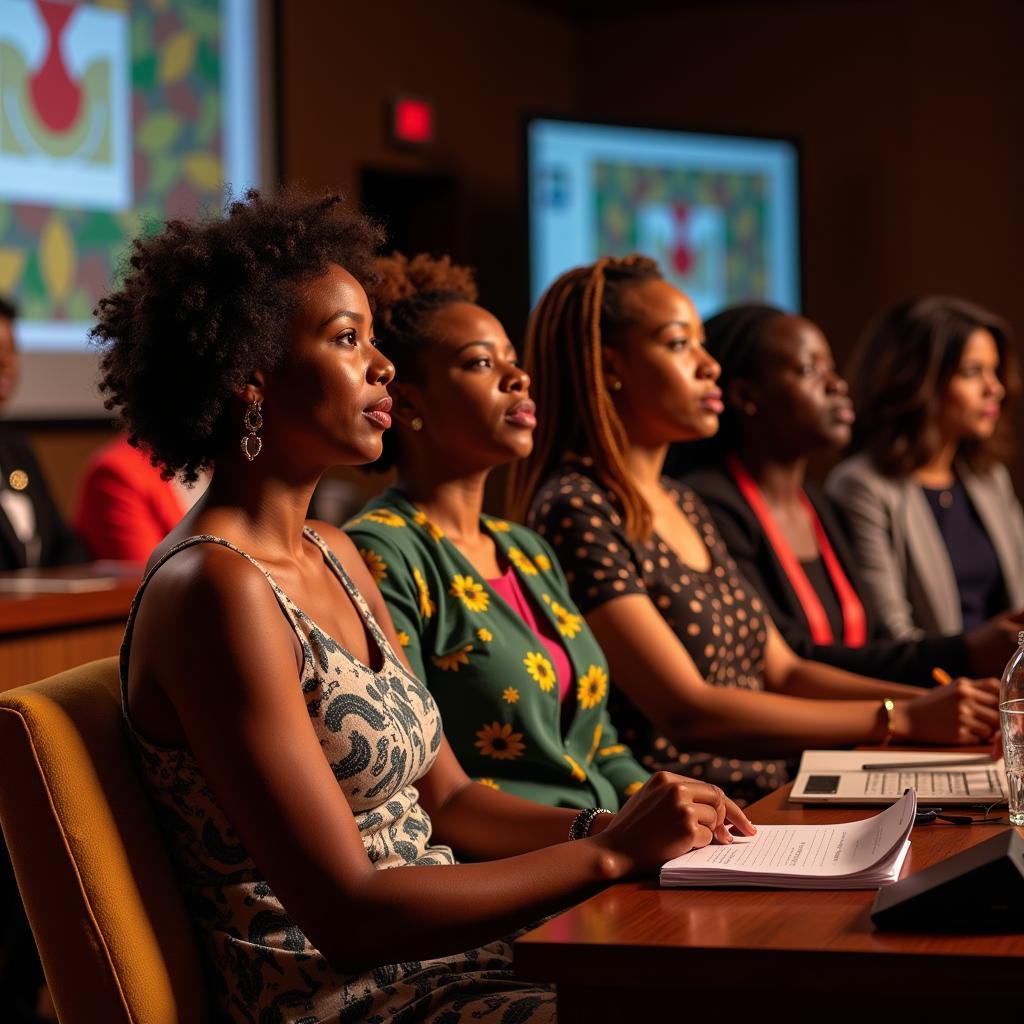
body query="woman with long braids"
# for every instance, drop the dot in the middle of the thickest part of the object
(480, 603)
(310, 801)
(619, 372)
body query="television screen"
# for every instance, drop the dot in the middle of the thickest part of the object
(114, 116)
(719, 213)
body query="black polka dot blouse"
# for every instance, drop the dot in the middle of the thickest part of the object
(714, 613)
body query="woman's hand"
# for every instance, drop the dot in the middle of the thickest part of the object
(668, 817)
(965, 711)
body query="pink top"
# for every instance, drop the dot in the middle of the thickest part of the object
(510, 591)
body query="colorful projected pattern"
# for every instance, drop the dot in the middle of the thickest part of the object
(82, 167)
(708, 230)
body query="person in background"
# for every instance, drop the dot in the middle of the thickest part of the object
(311, 803)
(33, 533)
(619, 372)
(937, 528)
(784, 403)
(125, 506)
(480, 603)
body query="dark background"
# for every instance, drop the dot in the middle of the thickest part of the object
(907, 114)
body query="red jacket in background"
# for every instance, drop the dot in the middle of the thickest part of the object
(124, 507)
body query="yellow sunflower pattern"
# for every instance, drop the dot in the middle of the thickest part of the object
(451, 662)
(377, 566)
(500, 742)
(421, 520)
(569, 624)
(577, 772)
(494, 679)
(378, 515)
(521, 562)
(470, 593)
(540, 670)
(592, 687)
(427, 606)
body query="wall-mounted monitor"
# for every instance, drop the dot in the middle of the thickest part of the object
(718, 212)
(113, 118)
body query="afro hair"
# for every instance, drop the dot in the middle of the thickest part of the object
(203, 304)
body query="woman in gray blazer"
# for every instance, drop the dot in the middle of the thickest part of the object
(938, 529)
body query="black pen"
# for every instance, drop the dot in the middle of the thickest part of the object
(914, 765)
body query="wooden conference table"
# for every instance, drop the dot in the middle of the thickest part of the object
(636, 952)
(45, 631)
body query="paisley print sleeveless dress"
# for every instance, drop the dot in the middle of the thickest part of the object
(380, 731)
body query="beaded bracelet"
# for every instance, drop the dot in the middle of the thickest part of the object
(580, 827)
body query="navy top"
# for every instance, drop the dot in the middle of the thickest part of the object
(975, 566)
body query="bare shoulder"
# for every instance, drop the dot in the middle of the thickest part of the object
(205, 590)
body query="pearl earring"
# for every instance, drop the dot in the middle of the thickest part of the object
(615, 384)
(417, 423)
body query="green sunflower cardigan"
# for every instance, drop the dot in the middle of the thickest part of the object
(486, 668)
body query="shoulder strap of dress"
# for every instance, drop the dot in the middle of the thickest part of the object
(202, 538)
(339, 570)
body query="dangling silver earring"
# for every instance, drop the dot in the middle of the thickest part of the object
(416, 423)
(253, 421)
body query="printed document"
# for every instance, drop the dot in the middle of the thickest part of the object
(853, 855)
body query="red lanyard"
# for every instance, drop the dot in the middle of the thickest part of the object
(854, 621)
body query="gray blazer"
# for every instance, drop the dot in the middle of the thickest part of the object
(903, 560)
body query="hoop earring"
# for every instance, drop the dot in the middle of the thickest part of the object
(253, 421)
(416, 423)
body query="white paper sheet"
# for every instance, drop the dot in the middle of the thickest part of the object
(861, 854)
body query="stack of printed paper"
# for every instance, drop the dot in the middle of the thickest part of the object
(856, 855)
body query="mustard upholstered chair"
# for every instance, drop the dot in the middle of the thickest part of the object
(113, 934)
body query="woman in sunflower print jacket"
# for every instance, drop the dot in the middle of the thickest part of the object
(481, 605)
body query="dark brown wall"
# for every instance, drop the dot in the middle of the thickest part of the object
(485, 65)
(907, 113)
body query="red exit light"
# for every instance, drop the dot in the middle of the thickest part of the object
(412, 121)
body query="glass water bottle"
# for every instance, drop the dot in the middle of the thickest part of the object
(1011, 717)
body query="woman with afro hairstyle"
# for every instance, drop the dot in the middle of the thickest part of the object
(291, 753)
(936, 525)
(480, 603)
(620, 371)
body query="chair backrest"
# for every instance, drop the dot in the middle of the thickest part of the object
(99, 890)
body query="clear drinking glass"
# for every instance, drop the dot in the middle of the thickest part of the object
(1011, 716)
